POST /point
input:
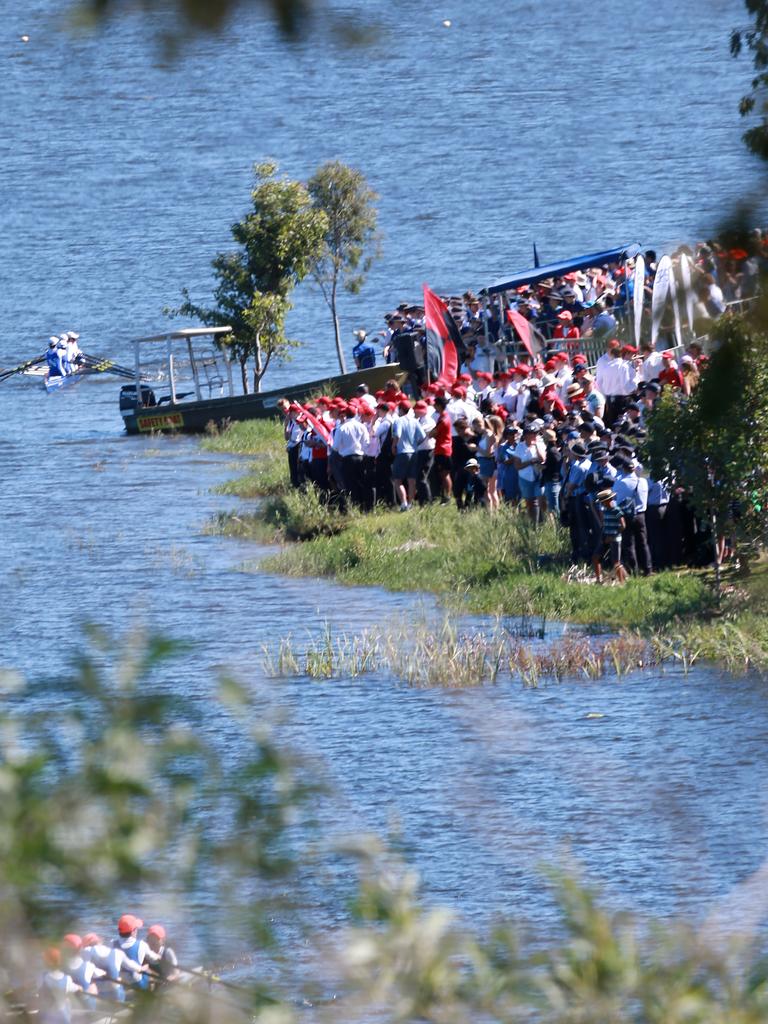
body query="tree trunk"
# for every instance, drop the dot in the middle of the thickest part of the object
(244, 372)
(337, 331)
(258, 369)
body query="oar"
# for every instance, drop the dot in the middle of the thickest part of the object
(105, 366)
(198, 972)
(5, 374)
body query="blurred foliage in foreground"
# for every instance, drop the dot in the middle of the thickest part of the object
(104, 788)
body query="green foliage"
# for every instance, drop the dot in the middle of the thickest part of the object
(755, 40)
(277, 241)
(715, 444)
(117, 789)
(350, 244)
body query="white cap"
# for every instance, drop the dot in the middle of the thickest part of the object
(54, 339)
(72, 335)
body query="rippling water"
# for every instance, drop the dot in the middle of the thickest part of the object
(119, 178)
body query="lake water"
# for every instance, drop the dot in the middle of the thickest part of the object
(120, 175)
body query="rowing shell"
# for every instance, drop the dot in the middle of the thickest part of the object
(58, 382)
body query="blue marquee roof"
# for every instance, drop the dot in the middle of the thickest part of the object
(594, 259)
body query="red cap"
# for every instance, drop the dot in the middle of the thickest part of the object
(391, 406)
(668, 354)
(128, 923)
(560, 357)
(73, 940)
(466, 377)
(91, 939)
(550, 365)
(614, 343)
(503, 375)
(565, 315)
(484, 375)
(322, 400)
(630, 349)
(158, 930)
(520, 371)
(421, 406)
(404, 404)
(579, 358)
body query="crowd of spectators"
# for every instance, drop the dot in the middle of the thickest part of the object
(577, 312)
(552, 438)
(541, 432)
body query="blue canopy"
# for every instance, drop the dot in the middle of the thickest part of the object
(595, 259)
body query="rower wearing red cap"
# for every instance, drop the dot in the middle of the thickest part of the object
(166, 968)
(134, 948)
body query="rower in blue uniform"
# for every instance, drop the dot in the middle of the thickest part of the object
(134, 947)
(54, 359)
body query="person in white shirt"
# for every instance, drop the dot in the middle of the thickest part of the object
(652, 362)
(350, 441)
(365, 397)
(460, 408)
(425, 450)
(529, 457)
(74, 354)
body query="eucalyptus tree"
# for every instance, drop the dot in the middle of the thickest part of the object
(277, 241)
(350, 244)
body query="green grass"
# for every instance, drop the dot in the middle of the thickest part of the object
(262, 439)
(492, 564)
(251, 437)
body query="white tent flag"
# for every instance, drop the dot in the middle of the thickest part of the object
(685, 277)
(639, 295)
(675, 308)
(660, 295)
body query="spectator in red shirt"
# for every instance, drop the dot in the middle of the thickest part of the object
(670, 374)
(565, 328)
(443, 447)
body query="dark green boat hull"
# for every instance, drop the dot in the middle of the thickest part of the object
(197, 417)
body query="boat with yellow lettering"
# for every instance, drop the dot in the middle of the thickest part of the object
(193, 388)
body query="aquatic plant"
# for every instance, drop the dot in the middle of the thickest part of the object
(447, 656)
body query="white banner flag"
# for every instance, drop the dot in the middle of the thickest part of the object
(639, 295)
(685, 277)
(675, 307)
(660, 296)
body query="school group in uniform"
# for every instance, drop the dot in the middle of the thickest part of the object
(91, 972)
(548, 436)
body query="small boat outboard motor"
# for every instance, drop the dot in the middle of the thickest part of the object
(128, 398)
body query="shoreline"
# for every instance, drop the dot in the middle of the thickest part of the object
(486, 564)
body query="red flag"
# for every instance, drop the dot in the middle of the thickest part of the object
(317, 425)
(443, 336)
(523, 328)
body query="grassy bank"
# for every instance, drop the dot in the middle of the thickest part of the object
(485, 564)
